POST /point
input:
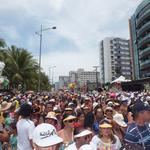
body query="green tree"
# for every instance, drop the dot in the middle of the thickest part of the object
(19, 66)
(2, 43)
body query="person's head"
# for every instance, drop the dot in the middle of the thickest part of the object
(123, 106)
(106, 131)
(141, 111)
(46, 138)
(119, 120)
(51, 118)
(49, 107)
(68, 111)
(81, 117)
(87, 100)
(25, 110)
(99, 114)
(69, 121)
(5, 106)
(83, 137)
(109, 113)
(86, 110)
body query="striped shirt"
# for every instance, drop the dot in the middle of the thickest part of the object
(138, 135)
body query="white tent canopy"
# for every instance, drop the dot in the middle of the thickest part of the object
(120, 79)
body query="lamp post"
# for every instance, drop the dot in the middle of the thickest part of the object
(39, 33)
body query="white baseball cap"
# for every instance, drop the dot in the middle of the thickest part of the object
(45, 135)
(83, 133)
(119, 119)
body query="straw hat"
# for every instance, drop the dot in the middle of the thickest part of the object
(5, 105)
(119, 119)
(105, 125)
(51, 115)
(83, 133)
(68, 109)
(70, 117)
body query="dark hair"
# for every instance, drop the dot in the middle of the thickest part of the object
(25, 110)
(79, 114)
(95, 111)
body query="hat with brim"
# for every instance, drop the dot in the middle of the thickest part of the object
(52, 100)
(51, 116)
(83, 133)
(105, 125)
(85, 108)
(5, 105)
(68, 109)
(70, 117)
(45, 135)
(86, 98)
(108, 108)
(118, 118)
(140, 106)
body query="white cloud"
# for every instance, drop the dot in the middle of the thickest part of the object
(85, 22)
(10, 31)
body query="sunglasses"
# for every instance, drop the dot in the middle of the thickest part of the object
(70, 121)
(109, 111)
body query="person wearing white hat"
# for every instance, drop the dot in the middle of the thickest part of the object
(119, 119)
(51, 119)
(45, 137)
(83, 137)
(119, 125)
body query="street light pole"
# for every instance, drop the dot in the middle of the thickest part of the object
(39, 84)
(40, 34)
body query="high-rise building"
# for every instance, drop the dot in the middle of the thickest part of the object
(80, 77)
(114, 59)
(140, 40)
(64, 81)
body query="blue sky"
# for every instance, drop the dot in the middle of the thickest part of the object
(81, 25)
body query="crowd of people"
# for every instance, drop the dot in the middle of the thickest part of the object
(75, 121)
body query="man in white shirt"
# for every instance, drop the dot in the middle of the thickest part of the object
(46, 138)
(25, 128)
(84, 137)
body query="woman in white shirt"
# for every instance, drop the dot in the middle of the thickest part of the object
(106, 140)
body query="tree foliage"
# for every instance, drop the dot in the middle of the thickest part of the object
(21, 68)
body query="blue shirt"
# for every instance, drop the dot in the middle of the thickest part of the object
(138, 135)
(96, 127)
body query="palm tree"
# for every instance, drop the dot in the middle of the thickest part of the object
(20, 66)
(2, 43)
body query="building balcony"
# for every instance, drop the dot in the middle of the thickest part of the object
(144, 40)
(144, 52)
(145, 15)
(145, 74)
(143, 29)
(145, 64)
